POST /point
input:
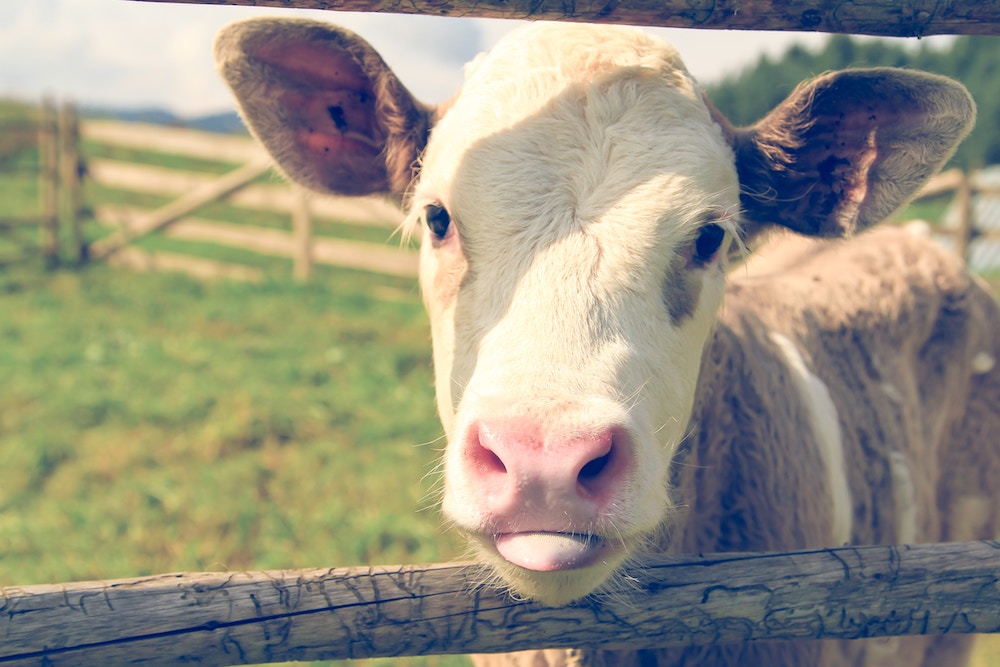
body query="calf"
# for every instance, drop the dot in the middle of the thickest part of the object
(604, 391)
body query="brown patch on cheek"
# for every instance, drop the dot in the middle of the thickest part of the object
(450, 275)
(680, 293)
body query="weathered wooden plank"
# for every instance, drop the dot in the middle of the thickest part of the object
(137, 259)
(906, 18)
(275, 242)
(255, 617)
(173, 140)
(302, 238)
(48, 182)
(370, 211)
(69, 176)
(217, 189)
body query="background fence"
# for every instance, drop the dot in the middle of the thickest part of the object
(969, 223)
(160, 164)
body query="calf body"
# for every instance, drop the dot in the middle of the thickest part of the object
(603, 390)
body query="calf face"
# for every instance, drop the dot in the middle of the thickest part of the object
(578, 201)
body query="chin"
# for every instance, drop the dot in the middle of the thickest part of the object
(551, 587)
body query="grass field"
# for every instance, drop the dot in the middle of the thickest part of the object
(152, 423)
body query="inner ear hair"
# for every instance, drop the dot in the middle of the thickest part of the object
(848, 148)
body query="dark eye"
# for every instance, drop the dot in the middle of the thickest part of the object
(707, 245)
(438, 220)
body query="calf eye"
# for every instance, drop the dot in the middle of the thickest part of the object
(438, 220)
(707, 245)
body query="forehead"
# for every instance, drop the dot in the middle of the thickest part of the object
(574, 119)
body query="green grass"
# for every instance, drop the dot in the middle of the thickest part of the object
(205, 410)
(151, 423)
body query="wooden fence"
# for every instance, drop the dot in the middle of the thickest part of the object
(964, 188)
(239, 187)
(54, 131)
(60, 148)
(906, 18)
(258, 617)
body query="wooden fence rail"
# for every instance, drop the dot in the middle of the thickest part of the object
(964, 188)
(907, 18)
(258, 617)
(175, 210)
(238, 188)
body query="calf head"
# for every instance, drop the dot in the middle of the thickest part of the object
(578, 200)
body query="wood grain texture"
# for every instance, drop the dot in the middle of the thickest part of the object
(896, 18)
(256, 617)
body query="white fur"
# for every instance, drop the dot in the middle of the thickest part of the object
(826, 429)
(570, 324)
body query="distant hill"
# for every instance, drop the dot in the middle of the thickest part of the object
(222, 123)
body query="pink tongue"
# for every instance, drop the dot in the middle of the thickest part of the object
(546, 552)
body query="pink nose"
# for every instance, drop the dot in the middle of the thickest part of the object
(537, 480)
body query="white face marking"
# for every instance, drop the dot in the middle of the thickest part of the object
(577, 188)
(826, 428)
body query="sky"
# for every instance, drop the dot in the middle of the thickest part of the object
(130, 54)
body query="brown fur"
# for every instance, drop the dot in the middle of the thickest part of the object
(886, 309)
(283, 68)
(822, 163)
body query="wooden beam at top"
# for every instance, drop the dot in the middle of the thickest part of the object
(889, 18)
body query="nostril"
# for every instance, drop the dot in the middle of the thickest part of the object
(488, 461)
(607, 462)
(481, 457)
(593, 469)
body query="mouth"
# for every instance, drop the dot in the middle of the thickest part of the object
(541, 551)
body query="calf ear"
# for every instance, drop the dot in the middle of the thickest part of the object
(846, 149)
(324, 104)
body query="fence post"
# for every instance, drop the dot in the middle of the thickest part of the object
(964, 231)
(69, 174)
(302, 233)
(48, 183)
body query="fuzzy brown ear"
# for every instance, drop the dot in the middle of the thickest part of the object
(848, 148)
(324, 104)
